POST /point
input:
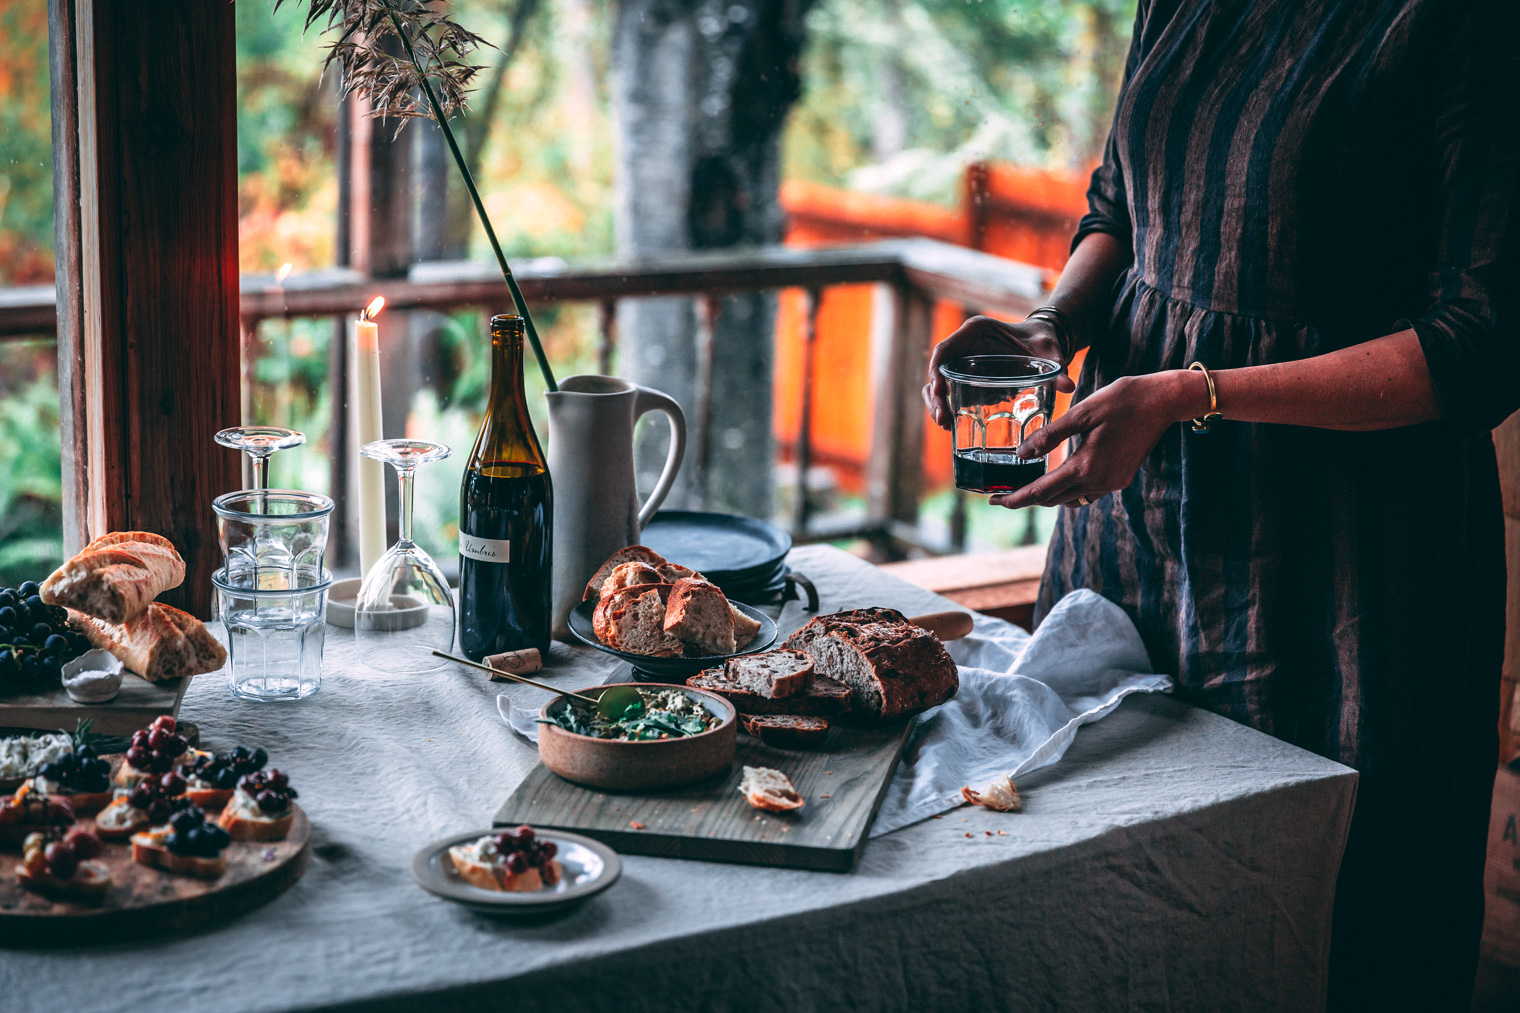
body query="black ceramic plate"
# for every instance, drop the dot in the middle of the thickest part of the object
(724, 548)
(672, 669)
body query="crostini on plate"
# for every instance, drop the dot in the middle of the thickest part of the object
(147, 803)
(262, 807)
(66, 868)
(155, 750)
(29, 811)
(189, 845)
(513, 861)
(211, 778)
(80, 776)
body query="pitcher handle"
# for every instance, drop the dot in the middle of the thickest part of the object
(647, 400)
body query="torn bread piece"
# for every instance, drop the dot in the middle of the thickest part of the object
(1000, 794)
(765, 788)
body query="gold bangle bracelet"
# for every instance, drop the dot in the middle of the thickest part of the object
(1201, 425)
(1057, 320)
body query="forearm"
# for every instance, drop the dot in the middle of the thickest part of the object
(1085, 290)
(1380, 384)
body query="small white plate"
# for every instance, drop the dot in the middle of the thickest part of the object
(589, 868)
(104, 672)
(341, 598)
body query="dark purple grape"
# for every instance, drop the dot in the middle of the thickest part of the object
(270, 802)
(61, 858)
(139, 795)
(159, 810)
(40, 633)
(517, 863)
(548, 849)
(9, 617)
(51, 771)
(259, 758)
(55, 644)
(183, 820)
(29, 588)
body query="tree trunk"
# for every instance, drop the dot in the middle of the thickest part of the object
(701, 89)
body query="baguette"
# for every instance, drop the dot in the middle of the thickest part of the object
(241, 827)
(162, 643)
(116, 576)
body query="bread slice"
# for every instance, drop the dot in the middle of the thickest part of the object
(630, 554)
(241, 827)
(91, 881)
(626, 575)
(892, 667)
(489, 876)
(774, 674)
(745, 628)
(699, 616)
(119, 820)
(161, 643)
(787, 731)
(673, 572)
(825, 698)
(116, 576)
(149, 848)
(769, 789)
(1000, 793)
(633, 620)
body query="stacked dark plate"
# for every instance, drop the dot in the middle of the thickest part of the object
(743, 556)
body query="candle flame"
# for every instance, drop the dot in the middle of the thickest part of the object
(373, 309)
(283, 273)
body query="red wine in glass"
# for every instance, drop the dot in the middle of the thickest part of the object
(993, 471)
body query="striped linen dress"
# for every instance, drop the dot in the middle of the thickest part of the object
(1294, 177)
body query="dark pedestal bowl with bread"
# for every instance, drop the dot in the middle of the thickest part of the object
(679, 669)
(622, 765)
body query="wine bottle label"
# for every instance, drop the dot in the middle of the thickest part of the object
(487, 550)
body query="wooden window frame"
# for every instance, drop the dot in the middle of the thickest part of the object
(145, 194)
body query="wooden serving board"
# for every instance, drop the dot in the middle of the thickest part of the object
(843, 785)
(138, 703)
(146, 901)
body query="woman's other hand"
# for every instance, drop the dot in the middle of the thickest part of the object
(1119, 426)
(986, 336)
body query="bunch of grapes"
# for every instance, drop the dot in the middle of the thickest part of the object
(522, 849)
(272, 791)
(155, 748)
(160, 798)
(80, 772)
(222, 770)
(193, 835)
(59, 857)
(35, 638)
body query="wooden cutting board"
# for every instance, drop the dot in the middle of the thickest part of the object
(145, 901)
(138, 703)
(843, 785)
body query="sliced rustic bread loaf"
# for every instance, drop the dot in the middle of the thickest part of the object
(774, 674)
(698, 615)
(745, 628)
(633, 620)
(787, 731)
(626, 575)
(825, 698)
(892, 667)
(631, 554)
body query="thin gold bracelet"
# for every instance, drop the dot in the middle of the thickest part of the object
(1057, 320)
(1213, 414)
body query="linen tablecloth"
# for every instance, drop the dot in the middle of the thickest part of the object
(1172, 860)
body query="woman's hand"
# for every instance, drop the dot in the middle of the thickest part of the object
(986, 336)
(1119, 425)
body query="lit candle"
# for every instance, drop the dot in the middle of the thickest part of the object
(366, 360)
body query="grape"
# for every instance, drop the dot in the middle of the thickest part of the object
(36, 862)
(219, 837)
(165, 722)
(8, 617)
(172, 784)
(29, 588)
(177, 745)
(183, 821)
(55, 644)
(51, 771)
(139, 796)
(517, 863)
(85, 844)
(157, 739)
(259, 757)
(525, 833)
(137, 756)
(140, 737)
(278, 780)
(159, 810)
(50, 666)
(61, 859)
(8, 598)
(548, 849)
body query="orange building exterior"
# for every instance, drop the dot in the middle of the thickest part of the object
(1023, 214)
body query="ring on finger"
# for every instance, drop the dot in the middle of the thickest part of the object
(1084, 501)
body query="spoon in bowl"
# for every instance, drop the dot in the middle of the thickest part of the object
(612, 704)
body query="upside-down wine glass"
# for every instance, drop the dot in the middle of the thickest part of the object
(260, 444)
(405, 610)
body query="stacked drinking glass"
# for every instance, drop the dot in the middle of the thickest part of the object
(271, 592)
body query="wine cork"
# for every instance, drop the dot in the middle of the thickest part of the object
(524, 662)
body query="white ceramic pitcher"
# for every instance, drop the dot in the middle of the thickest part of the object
(596, 506)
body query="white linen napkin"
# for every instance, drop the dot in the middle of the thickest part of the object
(1021, 701)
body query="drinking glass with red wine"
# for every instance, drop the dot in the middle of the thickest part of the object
(995, 402)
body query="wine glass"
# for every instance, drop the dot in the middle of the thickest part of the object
(405, 610)
(260, 444)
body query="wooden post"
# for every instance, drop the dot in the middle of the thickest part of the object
(803, 456)
(894, 475)
(151, 346)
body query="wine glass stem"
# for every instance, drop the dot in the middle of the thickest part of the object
(259, 464)
(404, 477)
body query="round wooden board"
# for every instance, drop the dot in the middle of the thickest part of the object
(146, 901)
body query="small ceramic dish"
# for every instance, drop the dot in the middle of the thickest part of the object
(680, 669)
(341, 598)
(622, 765)
(589, 868)
(93, 677)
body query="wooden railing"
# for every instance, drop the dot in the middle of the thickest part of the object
(919, 272)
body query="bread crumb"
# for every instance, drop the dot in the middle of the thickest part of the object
(828, 772)
(987, 832)
(786, 830)
(1001, 795)
(939, 816)
(1002, 833)
(635, 824)
(968, 833)
(823, 796)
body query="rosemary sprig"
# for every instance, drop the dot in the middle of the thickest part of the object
(436, 50)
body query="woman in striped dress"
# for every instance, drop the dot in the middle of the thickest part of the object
(1318, 200)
